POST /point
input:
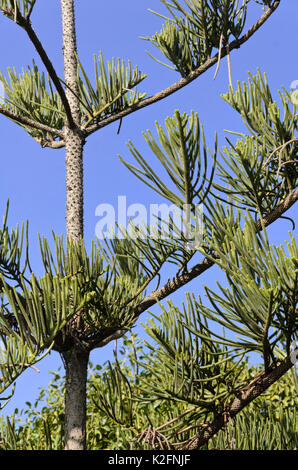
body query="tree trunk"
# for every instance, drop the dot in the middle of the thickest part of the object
(75, 359)
(76, 366)
(74, 141)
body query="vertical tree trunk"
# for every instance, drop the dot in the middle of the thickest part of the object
(74, 141)
(75, 359)
(76, 366)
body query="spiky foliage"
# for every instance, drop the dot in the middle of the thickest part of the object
(195, 374)
(84, 300)
(269, 154)
(195, 28)
(27, 94)
(115, 89)
(118, 412)
(256, 270)
(181, 157)
(32, 310)
(258, 308)
(14, 9)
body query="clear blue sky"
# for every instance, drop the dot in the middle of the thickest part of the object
(34, 178)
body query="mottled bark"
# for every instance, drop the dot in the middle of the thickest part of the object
(74, 140)
(74, 184)
(76, 364)
(75, 359)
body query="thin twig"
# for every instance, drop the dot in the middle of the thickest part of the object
(219, 56)
(281, 148)
(229, 68)
(30, 9)
(21, 365)
(32, 367)
(176, 418)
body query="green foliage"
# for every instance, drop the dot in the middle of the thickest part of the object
(180, 157)
(13, 8)
(115, 89)
(106, 285)
(29, 321)
(255, 269)
(260, 112)
(11, 250)
(109, 282)
(120, 425)
(194, 363)
(268, 158)
(26, 94)
(161, 393)
(188, 365)
(269, 433)
(47, 416)
(188, 38)
(193, 366)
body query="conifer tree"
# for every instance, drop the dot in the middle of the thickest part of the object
(85, 300)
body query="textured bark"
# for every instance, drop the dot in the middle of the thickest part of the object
(76, 364)
(74, 185)
(76, 360)
(74, 140)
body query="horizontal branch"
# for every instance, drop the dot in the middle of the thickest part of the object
(245, 396)
(180, 280)
(31, 122)
(186, 80)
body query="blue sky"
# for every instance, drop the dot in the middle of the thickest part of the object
(34, 178)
